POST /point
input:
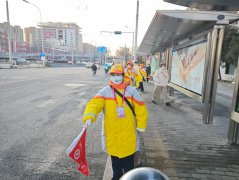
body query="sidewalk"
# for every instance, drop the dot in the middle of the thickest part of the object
(181, 146)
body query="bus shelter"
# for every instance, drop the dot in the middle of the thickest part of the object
(217, 5)
(191, 43)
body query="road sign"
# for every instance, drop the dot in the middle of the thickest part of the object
(117, 32)
(102, 49)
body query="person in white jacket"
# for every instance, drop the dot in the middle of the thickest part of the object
(161, 78)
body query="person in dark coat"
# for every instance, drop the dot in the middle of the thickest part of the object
(94, 68)
(148, 71)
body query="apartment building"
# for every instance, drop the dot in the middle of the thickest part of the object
(65, 36)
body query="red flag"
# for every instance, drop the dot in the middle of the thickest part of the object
(77, 152)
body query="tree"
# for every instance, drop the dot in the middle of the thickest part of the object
(123, 52)
(230, 47)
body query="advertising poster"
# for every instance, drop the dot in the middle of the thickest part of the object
(188, 67)
(154, 64)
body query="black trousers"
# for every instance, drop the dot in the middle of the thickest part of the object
(141, 86)
(121, 165)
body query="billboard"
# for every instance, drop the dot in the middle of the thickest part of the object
(188, 66)
(22, 47)
(154, 64)
(102, 49)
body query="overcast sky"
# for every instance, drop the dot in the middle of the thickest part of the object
(92, 16)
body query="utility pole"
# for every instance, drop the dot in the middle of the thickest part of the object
(136, 32)
(9, 36)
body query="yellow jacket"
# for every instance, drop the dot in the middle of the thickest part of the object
(142, 74)
(131, 77)
(119, 136)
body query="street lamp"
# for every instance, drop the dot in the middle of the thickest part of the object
(136, 31)
(9, 36)
(42, 44)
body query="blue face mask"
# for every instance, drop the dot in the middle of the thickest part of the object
(116, 79)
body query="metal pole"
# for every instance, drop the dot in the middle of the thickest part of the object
(125, 54)
(9, 36)
(72, 45)
(216, 71)
(207, 103)
(233, 129)
(132, 49)
(136, 32)
(42, 44)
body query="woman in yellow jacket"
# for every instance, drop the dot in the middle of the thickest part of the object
(130, 75)
(119, 132)
(142, 76)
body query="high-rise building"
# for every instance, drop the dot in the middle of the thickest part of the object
(60, 35)
(16, 35)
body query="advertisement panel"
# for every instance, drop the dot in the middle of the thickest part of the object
(188, 66)
(154, 64)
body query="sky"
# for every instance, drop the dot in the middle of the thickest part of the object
(93, 16)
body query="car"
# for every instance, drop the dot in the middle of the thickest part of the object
(22, 61)
(88, 65)
(70, 62)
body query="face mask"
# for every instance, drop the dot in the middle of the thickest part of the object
(163, 67)
(129, 66)
(116, 79)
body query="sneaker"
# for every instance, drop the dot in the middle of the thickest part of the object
(154, 102)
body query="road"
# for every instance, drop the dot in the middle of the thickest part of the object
(40, 115)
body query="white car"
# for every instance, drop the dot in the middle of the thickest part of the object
(88, 65)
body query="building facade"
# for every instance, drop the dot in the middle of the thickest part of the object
(15, 33)
(65, 36)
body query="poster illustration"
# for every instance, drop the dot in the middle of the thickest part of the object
(188, 67)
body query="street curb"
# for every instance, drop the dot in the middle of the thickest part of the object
(108, 174)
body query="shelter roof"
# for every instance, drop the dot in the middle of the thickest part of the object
(218, 5)
(170, 26)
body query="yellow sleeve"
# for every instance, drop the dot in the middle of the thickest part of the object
(94, 107)
(140, 111)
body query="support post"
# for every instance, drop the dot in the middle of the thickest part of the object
(9, 36)
(214, 65)
(136, 32)
(216, 72)
(233, 130)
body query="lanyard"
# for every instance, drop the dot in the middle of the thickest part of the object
(116, 98)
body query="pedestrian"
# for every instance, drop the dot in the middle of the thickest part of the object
(161, 78)
(131, 76)
(142, 76)
(125, 114)
(94, 68)
(106, 68)
(148, 71)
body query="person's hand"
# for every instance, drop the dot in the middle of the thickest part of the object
(88, 122)
(140, 130)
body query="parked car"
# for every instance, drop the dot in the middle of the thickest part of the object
(88, 65)
(70, 62)
(22, 61)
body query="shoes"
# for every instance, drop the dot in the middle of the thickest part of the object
(168, 104)
(154, 102)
